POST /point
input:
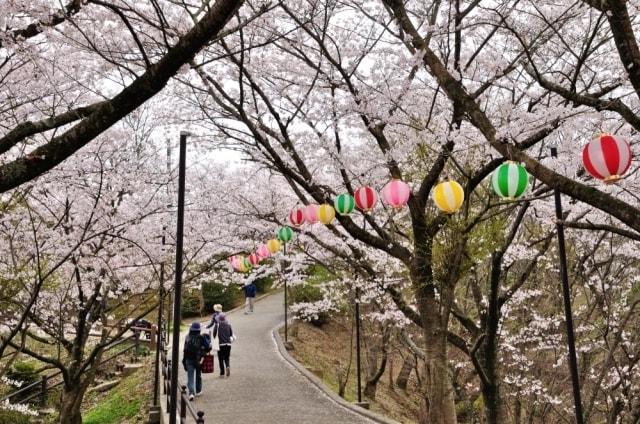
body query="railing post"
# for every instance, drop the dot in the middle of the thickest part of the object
(200, 419)
(169, 384)
(43, 394)
(183, 404)
(153, 334)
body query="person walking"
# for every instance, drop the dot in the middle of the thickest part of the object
(250, 291)
(217, 308)
(223, 333)
(195, 347)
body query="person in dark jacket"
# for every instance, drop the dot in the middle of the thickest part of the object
(195, 347)
(223, 332)
(250, 291)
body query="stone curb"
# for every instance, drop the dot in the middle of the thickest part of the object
(321, 386)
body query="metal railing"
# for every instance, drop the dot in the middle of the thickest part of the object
(184, 407)
(44, 383)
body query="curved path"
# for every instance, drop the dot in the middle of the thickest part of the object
(263, 387)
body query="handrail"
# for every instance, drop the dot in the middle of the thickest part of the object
(44, 380)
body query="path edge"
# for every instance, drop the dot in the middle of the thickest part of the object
(275, 334)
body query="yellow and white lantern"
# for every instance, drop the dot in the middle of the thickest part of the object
(448, 196)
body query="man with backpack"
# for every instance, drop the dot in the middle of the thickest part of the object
(195, 347)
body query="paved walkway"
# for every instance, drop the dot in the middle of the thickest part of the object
(263, 387)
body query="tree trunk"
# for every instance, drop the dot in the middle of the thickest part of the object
(495, 409)
(408, 364)
(70, 404)
(439, 404)
(375, 372)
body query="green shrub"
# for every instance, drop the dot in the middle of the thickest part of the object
(25, 372)
(14, 417)
(227, 296)
(190, 303)
(264, 284)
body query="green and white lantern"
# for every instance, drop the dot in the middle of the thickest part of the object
(285, 234)
(344, 204)
(510, 180)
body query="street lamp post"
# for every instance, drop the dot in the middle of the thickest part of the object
(358, 372)
(177, 291)
(156, 379)
(564, 277)
(283, 263)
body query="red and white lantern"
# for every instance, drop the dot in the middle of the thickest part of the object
(254, 259)
(263, 251)
(296, 217)
(366, 198)
(607, 157)
(396, 193)
(311, 213)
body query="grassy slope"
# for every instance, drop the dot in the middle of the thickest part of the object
(328, 348)
(127, 403)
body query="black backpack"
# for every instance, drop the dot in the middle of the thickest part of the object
(193, 347)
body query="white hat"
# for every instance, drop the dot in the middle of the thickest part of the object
(217, 307)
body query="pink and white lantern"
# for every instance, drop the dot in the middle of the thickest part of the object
(396, 193)
(263, 251)
(607, 157)
(311, 213)
(235, 262)
(297, 217)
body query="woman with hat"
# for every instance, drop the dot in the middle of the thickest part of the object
(195, 347)
(217, 308)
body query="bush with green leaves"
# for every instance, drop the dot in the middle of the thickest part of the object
(264, 284)
(190, 303)
(14, 417)
(27, 373)
(228, 296)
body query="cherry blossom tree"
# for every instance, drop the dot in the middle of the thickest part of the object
(333, 96)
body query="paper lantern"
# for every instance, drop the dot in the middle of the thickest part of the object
(239, 264)
(326, 214)
(448, 196)
(311, 214)
(396, 193)
(273, 245)
(607, 157)
(365, 198)
(254, 259)
(263, 251)
(245, 265)
(285, 234)
(344, 204)
(296, 217)
(510, 180)
(233, 260)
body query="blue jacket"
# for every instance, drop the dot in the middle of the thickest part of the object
(250, 290)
